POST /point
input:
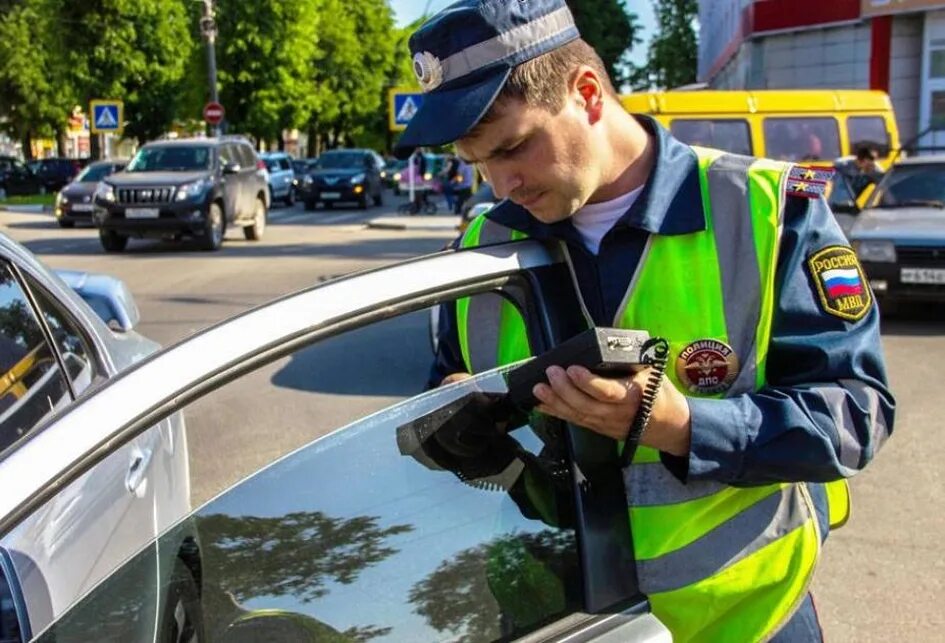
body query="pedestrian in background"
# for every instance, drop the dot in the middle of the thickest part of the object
(775, 391)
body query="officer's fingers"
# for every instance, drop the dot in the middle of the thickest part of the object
(572, 395)
(455, 377)
(604, 389)
(552, 404)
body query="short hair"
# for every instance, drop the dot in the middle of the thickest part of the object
(864, 153)
(540, 82)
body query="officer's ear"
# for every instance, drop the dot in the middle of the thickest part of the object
(588, 92)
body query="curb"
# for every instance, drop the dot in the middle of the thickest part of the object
(27, 209)
(409, 223)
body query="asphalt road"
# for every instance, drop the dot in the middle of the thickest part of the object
(882, 577)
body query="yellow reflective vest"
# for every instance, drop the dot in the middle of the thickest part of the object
(718, 563)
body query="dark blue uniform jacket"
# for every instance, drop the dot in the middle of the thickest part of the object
(786, 431)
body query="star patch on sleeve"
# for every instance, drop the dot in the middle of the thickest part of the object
(808, 182)
(841, 284)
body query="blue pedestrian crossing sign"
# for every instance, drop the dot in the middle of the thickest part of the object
(402, 105)
(107, 116)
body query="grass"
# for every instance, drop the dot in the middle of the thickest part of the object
(31, 199)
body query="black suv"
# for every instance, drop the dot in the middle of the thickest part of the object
(351, 175)
(188, 187)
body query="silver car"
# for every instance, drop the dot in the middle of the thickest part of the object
(63, 336)
(337, 499)
(900, 236)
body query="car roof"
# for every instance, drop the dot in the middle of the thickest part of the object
(264, 155)
(923, 160)
(108, 162)
(183, 142)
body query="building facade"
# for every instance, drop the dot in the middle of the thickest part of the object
(897, 46)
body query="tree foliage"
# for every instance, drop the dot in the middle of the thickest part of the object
(501, 588)
(672, 57)
(611, 30)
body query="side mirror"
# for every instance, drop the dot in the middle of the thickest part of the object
(231, 168)
(108, 296)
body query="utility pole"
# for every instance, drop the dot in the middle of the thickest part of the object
(208, 29)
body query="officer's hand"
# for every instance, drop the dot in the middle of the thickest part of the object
(608, 406)
(455, 377)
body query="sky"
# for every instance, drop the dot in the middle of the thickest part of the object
(408, 10)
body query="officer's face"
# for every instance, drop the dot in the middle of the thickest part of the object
(541, 161)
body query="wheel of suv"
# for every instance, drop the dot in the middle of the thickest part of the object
(112, 241)
(362, 202)
(214, 228)
(255, 231)
(379, 197)
(66, 224)
(289, 199)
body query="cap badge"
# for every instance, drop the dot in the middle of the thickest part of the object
(428, 69)
(706, 367)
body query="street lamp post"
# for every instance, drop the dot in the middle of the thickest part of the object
(208, 29)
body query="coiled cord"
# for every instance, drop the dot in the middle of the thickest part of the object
(654, 354)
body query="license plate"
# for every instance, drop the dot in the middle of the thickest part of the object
(922, 276)
(82, 207)
(331, 195)
(142, 213)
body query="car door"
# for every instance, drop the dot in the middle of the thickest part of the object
(232, 182)
(326, 513)
(69, 545)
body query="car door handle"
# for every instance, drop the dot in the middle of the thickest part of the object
(136, 477)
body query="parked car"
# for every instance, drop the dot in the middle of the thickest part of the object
(392, 173)
(441, 517)
(900, 236)
(188, 187)
(55, 173)
(344, 175)
(300, 168)
(74, 201)
(281, 175)
(65, 334)
(16, 179)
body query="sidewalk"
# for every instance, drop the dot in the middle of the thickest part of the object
(25, 209)
(396, 221)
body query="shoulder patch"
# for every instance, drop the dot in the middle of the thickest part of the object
(809, 182)
(841, 284)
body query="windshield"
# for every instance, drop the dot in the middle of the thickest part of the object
(912, 186)
(170, 158)
(95, 173)
(340, 161)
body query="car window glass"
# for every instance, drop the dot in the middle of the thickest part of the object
(228, 154)
(271, 164)
(448, 515)
(869, 132)
(95, 173)
(730, 135)
(913, 185)
(10, 631)
(801, 139)
(73, 346)
(170, 158)
(247, 158)
(284, 164)
(31, 383)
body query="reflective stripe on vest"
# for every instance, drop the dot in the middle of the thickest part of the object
(717, 562)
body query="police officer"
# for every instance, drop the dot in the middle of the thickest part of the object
(775, 390)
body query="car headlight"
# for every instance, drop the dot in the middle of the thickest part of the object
(877, 251)
(61, 199)
(397, 176)
(105, 192)
(191, 190)
(308, 180)
(357, 178)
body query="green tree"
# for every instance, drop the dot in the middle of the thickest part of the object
(265, 50)
(611, 30)
(672, 57)
(134, 50)
(500, 588)
(36, 96)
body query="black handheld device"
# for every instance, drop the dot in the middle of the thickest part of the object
(608, 352)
